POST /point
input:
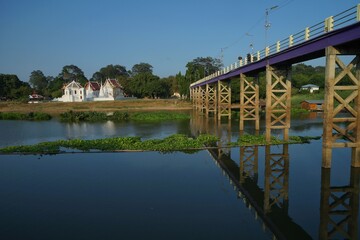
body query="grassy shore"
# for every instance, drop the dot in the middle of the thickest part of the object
(56, 108)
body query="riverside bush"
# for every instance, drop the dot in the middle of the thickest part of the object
(32, 116)
(72, 116)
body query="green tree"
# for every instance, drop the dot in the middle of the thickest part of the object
(183, 83)
(12, 87)
(114, 71)
(38, 81)
(201, 67)
(55, 87)
(141, 68)
(72, 72)
(97, 77)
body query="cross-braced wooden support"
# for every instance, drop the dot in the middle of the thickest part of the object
(192, 96)
(249, 101)
(342, 94)
(197, 97)
(249, 161)
(224, 99)
(339, 207)
(211, 99)
(203, 98)
(278, 100)
(276, 179)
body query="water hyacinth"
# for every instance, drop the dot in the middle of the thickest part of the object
(176, 142)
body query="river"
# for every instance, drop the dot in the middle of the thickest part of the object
(230, 193)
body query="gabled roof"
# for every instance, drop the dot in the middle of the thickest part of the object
(114, 83)
(73, 84)
(314, 101)
(95, 86)
(310, 86)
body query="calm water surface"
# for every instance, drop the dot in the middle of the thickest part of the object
(237, 193)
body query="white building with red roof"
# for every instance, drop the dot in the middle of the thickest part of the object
(111, 90)
(92, 90)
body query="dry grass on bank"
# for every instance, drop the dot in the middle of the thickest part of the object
(55, 108)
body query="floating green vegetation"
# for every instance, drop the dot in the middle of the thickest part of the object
(250, 140)
(72, 116)
(32, 116)
(177, 142)
(90, 116)
(158, 116)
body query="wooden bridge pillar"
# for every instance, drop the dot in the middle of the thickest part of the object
(276, 188)
(197, 97)
(203, 98)
(200, 98)
(339, 207)
(211, 99)
(224, 99)
(342, 94)
(249, 101)
(278, 100)
(192, 96)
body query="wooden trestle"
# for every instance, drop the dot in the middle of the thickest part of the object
(249, 163)
(249, 101)
(278, 100)
(211, 99)
(224, 99)
(341, 103)
(341, 96)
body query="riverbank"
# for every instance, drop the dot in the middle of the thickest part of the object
(56, 108)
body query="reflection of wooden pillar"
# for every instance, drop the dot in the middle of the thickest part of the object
(354, 202)
(276, 187)
(341, 95)
(324, 203)
(249, 102)
(267, 187)
(211, 99)
(339, 207)
(249, 158)
(278, 100)
(224, 99)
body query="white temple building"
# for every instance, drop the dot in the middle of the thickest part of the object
(72, 92)
(109, 91)
(92, 90)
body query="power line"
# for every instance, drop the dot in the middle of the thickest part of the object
(261, 19)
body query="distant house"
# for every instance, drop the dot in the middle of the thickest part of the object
(35, 98)
(73, 92)
(92, 90)
(309, 87)
(312, 105)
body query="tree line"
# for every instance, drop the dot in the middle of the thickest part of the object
(141, 82)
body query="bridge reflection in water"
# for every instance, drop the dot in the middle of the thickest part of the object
(339, 205)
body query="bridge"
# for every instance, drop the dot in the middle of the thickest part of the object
(336, 35)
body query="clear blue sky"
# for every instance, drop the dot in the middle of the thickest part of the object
(49, 34)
